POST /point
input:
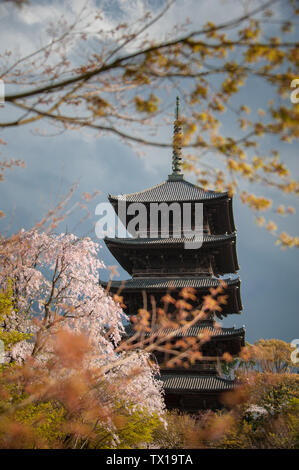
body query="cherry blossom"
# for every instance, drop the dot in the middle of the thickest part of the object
(56, 286)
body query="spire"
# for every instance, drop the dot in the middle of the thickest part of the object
(177, 109)
(176, 152)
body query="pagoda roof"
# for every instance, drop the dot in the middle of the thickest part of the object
(127, 250)
(194, 331)
(140, 242)
(160, 285)
(196, 383)
(168, 283)
(171, 190)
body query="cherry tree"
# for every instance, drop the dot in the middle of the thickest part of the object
(57, 299)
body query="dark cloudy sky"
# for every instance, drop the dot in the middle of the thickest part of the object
(269, 275)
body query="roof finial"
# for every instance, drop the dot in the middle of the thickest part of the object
(177, 111)
(177, 138)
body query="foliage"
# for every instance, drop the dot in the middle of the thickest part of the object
(261, 412)
(264, 414)
(50, 274)
(126, 81)
(50, 425)
(66, 403)
(37, 425)
(10, 337)
(268, 417)
(63, 386)
(271, 355)
(135, 430)
(78, 384)
(180, 433)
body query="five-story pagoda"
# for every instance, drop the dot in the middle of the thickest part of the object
(159, 265)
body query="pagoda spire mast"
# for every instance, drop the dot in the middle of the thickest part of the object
(176, 145)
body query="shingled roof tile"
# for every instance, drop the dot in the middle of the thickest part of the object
(206, 238)
(196, 383)
(169, 191)
(164, 283)
(193, 332)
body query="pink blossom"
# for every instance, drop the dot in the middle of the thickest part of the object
(56, 284)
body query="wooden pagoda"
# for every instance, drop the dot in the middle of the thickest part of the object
(161, 265)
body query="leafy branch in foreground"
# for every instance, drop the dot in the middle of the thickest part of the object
(118, 86)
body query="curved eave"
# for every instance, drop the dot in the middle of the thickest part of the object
(231, 215)
(170, 191)
(223, 217)
(161, 284)
(224, 247)
(142, 243)
(237, 293)
(123, 197)
(195, 331)
(178, 383)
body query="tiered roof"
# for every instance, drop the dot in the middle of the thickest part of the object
(194, 332)
(162, 284)
(196, 383)
(170, 191)
(176, 189)
(146, 257)
(168, 283)
(206, 239)
(219, 247)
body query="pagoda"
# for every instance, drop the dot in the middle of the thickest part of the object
(160, 265)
